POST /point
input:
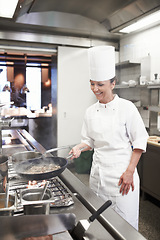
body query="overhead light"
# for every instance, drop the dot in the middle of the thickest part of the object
(7, 8)
(145, 22)
(4, 48)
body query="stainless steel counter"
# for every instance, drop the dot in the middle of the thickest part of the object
(109, 225)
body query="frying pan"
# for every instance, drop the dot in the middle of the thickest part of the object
(22, 168)
(23, 161)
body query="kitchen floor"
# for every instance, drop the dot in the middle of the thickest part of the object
(149, 217)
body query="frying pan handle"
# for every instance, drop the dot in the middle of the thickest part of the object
(55, 149)
(100, 210)
(69, 156)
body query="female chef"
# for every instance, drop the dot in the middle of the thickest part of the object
(114, 128)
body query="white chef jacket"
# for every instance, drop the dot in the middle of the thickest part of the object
(113, 130)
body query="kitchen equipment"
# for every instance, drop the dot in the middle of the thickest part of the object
(82, 226)
(3, 172)
(22, 156)
(132, 83)
(35, 209)
(20, 227)
(143, 80)
(20, 160)
(34, 194)
(32, 204)
(24, 168)
(59, 196)
(44, 191)
(7, 195)
(26, 155)
(49, 167)
(3, 164)
(9, 211)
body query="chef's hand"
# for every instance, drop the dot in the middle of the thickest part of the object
(126, 182)
(76, 152)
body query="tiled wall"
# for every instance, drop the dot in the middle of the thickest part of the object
(136, 47)
(128, 73)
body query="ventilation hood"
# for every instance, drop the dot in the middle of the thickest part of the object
(84, 18)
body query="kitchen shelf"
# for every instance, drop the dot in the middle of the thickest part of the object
(154, 86)
(127, 64)
(154, 108)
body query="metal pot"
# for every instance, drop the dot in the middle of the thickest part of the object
(32, 203)
(39, 208)
(34, 194)
(3, 172)
(10, 209)
(3, 165)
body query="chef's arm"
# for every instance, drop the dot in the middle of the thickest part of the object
(126, 180)
(76, 150)
(136, 154)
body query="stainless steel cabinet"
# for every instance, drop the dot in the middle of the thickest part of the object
(149, 171)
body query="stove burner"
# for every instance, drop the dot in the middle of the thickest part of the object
(61, 197)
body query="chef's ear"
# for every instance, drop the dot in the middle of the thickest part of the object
(113, 85)
(113, 82)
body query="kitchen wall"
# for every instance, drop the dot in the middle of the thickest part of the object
(73, 93)
(137, 47)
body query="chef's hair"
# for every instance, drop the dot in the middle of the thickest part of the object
(113, 79)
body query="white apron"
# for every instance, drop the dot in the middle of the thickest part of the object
(106, 128)
(111, 129)
(112, 152)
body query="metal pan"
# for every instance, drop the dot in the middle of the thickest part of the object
(24, 168)
(26, 155)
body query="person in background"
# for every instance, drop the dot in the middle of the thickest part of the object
(19, 89)
(115, 130)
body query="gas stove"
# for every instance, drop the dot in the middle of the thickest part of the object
(60, 194)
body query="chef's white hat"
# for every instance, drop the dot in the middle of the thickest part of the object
(102, 63)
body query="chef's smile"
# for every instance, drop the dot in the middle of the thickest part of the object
(102, 90)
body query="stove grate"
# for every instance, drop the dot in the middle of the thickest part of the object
(61, 196)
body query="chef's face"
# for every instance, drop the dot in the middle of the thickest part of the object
(103, 90)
